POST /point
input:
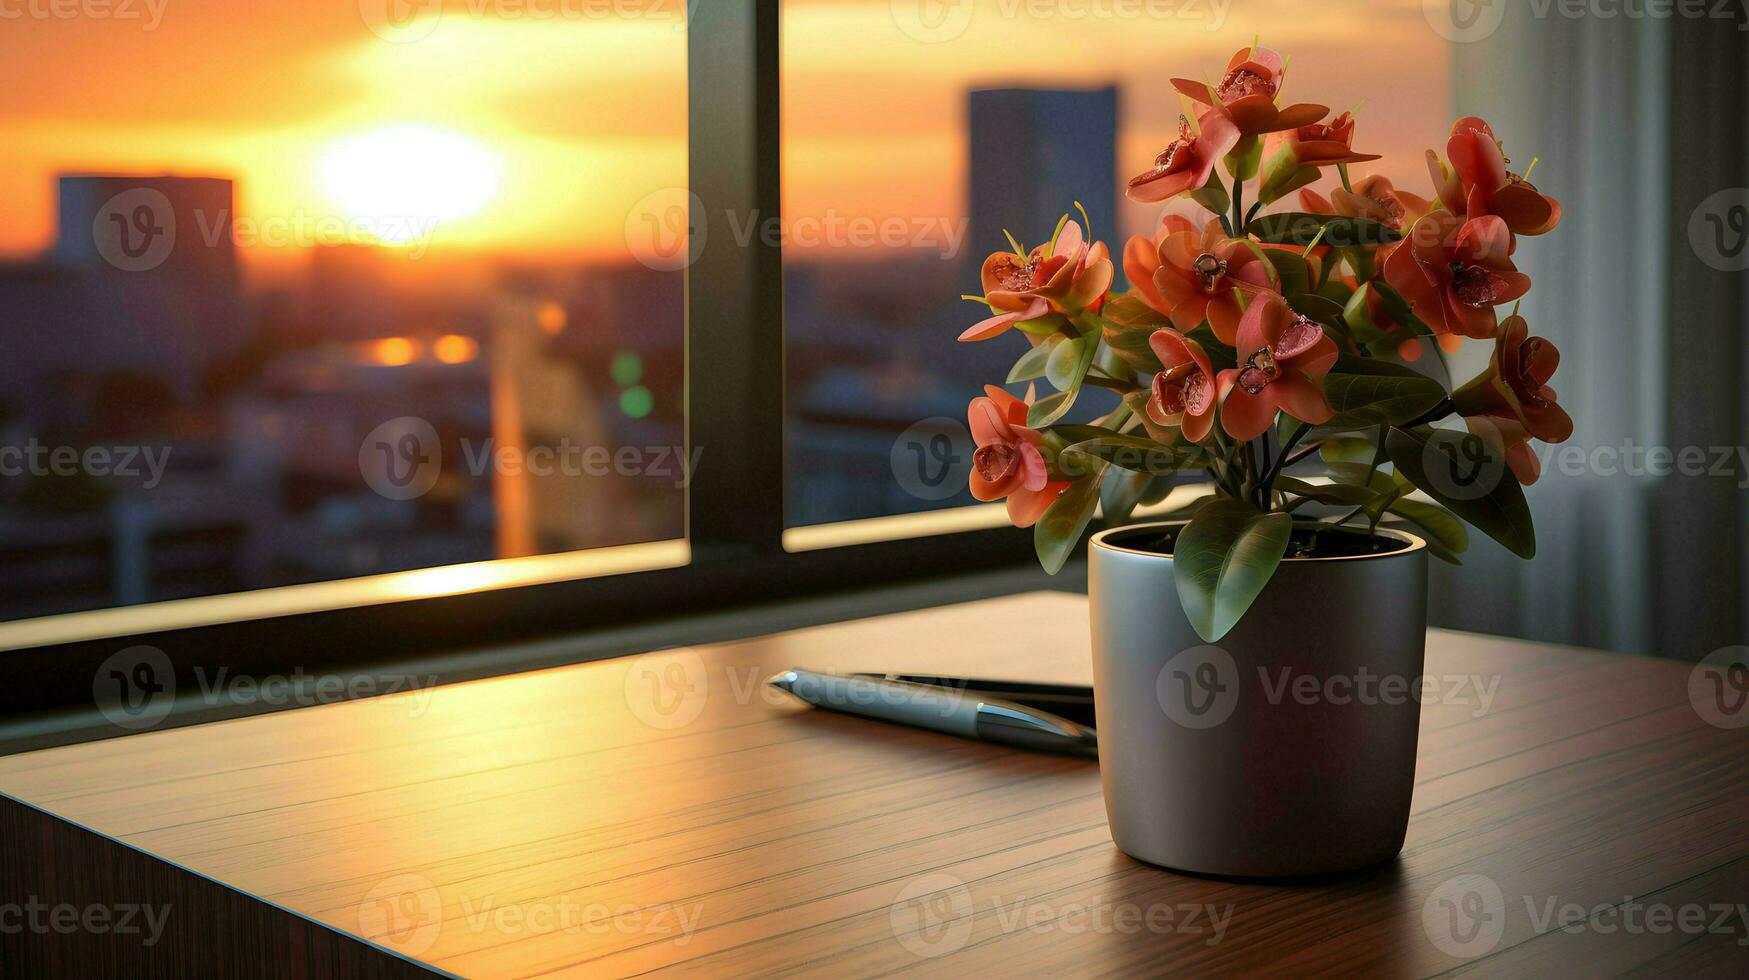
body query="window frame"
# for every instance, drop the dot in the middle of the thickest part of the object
(734, 412)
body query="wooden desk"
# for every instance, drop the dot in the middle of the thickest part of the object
(662, 811)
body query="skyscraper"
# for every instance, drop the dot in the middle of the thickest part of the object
(1034, 152)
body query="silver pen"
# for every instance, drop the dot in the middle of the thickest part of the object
(938, 709)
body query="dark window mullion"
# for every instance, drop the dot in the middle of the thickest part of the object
(734, 289)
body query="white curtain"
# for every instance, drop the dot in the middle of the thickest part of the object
(1587, 96)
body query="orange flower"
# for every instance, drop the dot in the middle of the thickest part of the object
(1515, 387)
(1325, 144)
(1283, 360)
(1141, 256)
(1191, 276)
(1373, 198)
(1296, 154)
(1066, 278)
(1247, 94)
(1489, 188)
(1513, 440)
(1188, 162)
(1454, 272)
(1008, 462)
(1184, 393)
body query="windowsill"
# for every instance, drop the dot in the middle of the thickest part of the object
(425, 583)
(981, 517)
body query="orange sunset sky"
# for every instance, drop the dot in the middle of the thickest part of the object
(538, 134)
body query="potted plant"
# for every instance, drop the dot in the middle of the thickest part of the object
(1233, 642)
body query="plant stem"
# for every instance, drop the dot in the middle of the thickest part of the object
(1302, 454)
(1112, 384)
(1222, 472)
(1378, 453)
(1261, 490)
(1342, 168)
(1296, 504)
(1434, 414)
(1282, 459)
(1117, 417)
(1378, 458)
(1238, 207)
(1251, 215)
(1248, 467)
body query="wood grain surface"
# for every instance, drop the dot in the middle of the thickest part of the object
(1574, 815)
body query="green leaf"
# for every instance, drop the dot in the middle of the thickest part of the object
(1335, 290)
(1223, 560)
(1287, 429)
(1445, 534)
(1189, 510)
(1362, 475)
(1213, 196)
(1341, 494)
(1044, 326)
(1127, 323)
(1244, 157)
(1282, 175)
(1291, 270)
(1138, 406)
(1031, 364)
(1140, 455)
(1367, 393)
(1055, 535)
(1469, 477)
(1375, 508)
(1300, 228)
(1107, 363)
(1069, 433)
(1121, 492)
(1320, 308)
(1158, 491)
(1357, 312)
(1065, 357)
(1053, 407)
(1347, 449)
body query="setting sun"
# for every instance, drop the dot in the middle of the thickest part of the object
(405, 180)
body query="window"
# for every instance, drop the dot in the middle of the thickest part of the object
(296, 292)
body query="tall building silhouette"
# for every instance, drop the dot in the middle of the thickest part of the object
(89, 309)
(1034, 152)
